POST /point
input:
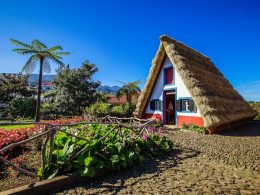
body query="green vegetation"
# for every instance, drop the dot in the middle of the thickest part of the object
(101, 109)
(129, 89)
(22, 107)
(195, 128)
(112, 153)
(14, 85)
(10, 127)
(256, 106)
(39, 53)
(74, 90)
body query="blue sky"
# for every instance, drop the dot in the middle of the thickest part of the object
(121, 37)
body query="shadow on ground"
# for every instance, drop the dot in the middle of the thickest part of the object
(250, 129)
(115, 182)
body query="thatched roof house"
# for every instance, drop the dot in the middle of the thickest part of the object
(184, 86)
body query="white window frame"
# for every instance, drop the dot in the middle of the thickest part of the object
(185, 105)
(157, 105)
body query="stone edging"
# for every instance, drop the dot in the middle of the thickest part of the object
(47, 186)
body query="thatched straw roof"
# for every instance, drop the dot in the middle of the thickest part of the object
(219, 103)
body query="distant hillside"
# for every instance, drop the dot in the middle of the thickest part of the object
(33, 79)
(107, 89)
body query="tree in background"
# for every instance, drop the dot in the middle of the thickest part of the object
(42, 54)
(14, 86)
(75, 89)
(22, 107)
(129, 89)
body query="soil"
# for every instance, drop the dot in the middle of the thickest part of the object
(29, 158)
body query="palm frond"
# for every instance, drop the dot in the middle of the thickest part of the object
(53, 49)
(51, 55)
(23, 51)
(46, 66)
(30, 65)
(20, 44)
(61, 53)
(38, 45)
(56, 60)
(119, 93)
(138, 82)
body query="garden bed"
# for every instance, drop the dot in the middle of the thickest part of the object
(26, 157)
(81, 150)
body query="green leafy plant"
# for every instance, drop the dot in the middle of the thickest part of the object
(22, 107)
(195, 128)
(101, 109)
(113, 153)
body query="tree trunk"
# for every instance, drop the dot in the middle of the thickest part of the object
(38, 107)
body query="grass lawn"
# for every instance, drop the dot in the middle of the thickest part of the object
(10, 127)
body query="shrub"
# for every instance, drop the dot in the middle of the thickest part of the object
(104, 109)
(99, 109)
(112, 153)
(22, 107)
(117, 111)
(194, 128)
(128, 109)
(16, 135)
(48, 112)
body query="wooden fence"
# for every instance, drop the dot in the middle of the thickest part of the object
(137, 127)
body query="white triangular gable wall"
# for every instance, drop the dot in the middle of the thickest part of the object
(179, 86)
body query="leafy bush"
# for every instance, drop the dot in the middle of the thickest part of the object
(117, 111)
(128, 109)
(48, 111)
(75, 119)
(101, 109)
(22, 107)
(16, 135)
(19, 134)
(194, 128)
(113, 153)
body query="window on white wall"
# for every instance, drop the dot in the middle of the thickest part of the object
(185, 105)
(155, 105)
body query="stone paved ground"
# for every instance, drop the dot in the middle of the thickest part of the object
(239, 147)
(204, 168)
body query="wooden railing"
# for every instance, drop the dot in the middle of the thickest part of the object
(137, 127)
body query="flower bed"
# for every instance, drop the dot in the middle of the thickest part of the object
(16, 135)
(118, 150)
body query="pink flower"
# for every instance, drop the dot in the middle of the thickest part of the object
(151, 129)
(160, 132)
(145, 136)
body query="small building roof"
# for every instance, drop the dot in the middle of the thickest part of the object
(219, 103)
